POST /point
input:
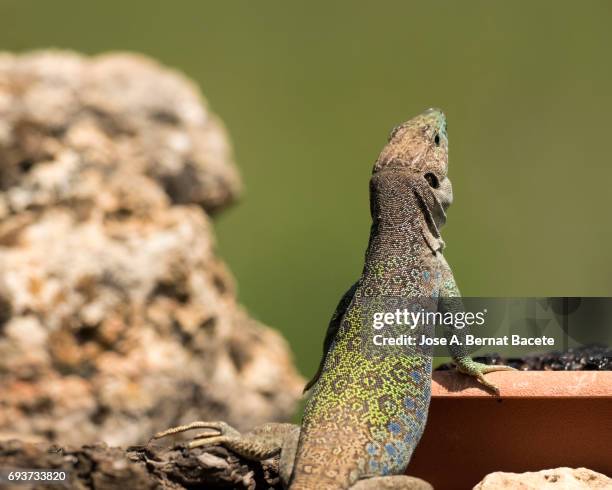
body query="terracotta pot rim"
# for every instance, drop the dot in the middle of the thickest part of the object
(525, 384)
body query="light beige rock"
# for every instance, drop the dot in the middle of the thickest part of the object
(557, 479)
(117, 319)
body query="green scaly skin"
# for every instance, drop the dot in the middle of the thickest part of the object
(368, 406)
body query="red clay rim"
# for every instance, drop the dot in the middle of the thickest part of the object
(525, 384)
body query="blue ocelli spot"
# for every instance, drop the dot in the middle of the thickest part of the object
(372, 449)
(395, 428)
(409, 403)
(390, 448)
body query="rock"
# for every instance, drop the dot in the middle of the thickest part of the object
(117, 318)
(558, 478)
(402, 482)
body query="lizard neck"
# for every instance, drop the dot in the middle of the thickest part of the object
(406, 217)
(389, 241)
(397, 223)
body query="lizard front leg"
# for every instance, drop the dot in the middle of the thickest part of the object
(263, 442)
(450, 300)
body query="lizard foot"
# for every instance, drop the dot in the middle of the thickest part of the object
(222, 433)
(263, 442)
(477, 370)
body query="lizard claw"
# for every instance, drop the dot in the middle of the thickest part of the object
(478, 370)
(220, 429)
(499, 367)
(480, 377)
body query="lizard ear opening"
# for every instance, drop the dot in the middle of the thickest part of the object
(432, 180)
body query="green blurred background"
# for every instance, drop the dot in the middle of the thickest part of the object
(309, 91)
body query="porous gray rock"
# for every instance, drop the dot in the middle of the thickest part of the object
(117, 318)
(553, 479)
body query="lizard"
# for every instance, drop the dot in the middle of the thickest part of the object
(368, 407)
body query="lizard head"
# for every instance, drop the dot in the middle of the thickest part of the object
(419, 147)
(415, 159)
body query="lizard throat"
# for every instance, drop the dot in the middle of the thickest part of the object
(434, 217)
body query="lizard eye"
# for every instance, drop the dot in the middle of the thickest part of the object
(432, 180)
(437, 139)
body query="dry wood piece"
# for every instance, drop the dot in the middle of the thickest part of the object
(106, 468)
